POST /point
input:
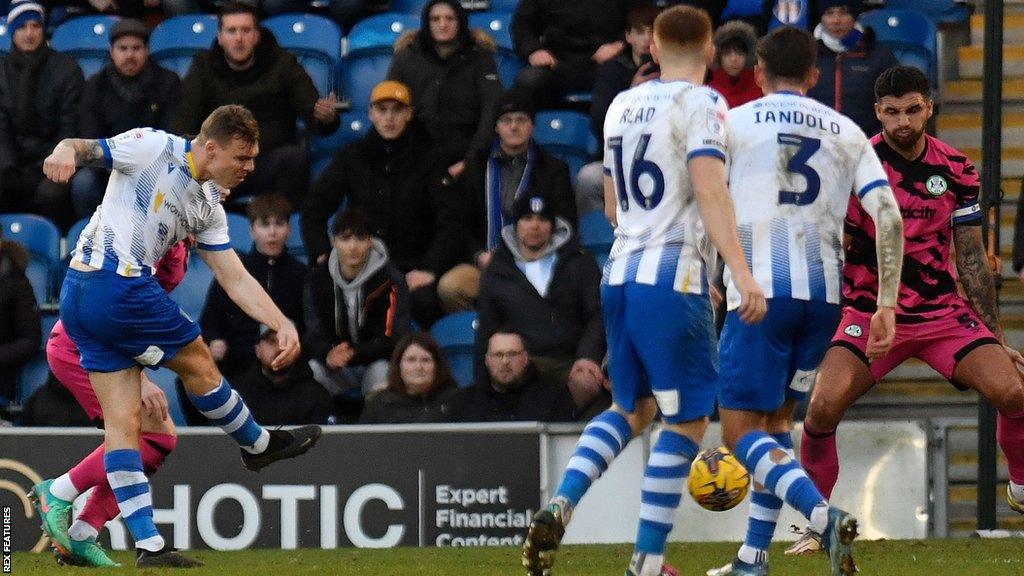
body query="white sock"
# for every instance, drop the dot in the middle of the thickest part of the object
(63, 488)
(82, 530)
(1017, 491)
(819, 518)
(646, 564)
(152, 544)
(752, 555)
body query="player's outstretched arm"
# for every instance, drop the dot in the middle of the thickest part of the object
(69, 154)
(715, 204)
(245, 291)
(975, 276)
(880, 204)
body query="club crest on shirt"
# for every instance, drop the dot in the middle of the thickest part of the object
(854, 331)
(936, 185)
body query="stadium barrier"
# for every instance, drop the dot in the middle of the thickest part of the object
(439, 485)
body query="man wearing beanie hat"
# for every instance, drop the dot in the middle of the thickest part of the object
(129, 92)
(542, 284)
(513, 167)
(850, 61)
(39, 93)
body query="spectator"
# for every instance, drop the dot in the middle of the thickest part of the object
(394, 176)
(360, 308)
(515, 166)
(733, 71)
(279, 397)
(420, 387)
(39, 93)
(230, 331)
(543, 286)
(849, 62)
(453, 78)
(247, 67)
(632, 67)
(347, 13)
(53, 405)
(19, 317)
(564, 43)
(129, 92)
(512, 389)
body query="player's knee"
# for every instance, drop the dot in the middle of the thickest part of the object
(1010, 400)
(822, 414)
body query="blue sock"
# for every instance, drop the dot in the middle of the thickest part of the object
(666, 473)
(786, 479)
(785, 439)
(765, 508)
(225, 408)
(131, 489)
(602, 440)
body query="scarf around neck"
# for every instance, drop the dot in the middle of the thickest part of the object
(496, 217)
(840, 45)
(27, 68)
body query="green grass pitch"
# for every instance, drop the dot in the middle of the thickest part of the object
(890, 558)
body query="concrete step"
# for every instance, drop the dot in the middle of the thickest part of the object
(968, 91)
(965, 130)
(1012, 159)
(1013, 29)
(971, 58)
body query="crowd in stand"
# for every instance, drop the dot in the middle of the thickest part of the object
(447, 204)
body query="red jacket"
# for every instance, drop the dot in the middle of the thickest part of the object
(737, 91)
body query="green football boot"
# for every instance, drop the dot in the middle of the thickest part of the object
(88, 553)
(54, 517)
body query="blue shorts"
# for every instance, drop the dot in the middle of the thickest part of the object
(764, 364)
(119, 322)
(661, 342)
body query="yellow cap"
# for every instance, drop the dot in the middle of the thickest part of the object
(391, 90)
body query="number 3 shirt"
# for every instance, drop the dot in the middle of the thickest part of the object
(651, 131)
(793, 165)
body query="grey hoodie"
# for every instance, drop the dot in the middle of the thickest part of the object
(351, 290)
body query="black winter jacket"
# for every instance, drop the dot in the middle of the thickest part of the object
(613, 77)
(104, 112)
(296, 400)
(402, 187)
(58, 89)
(567, 29)
(453, 97)
(389, 407)
(19, 317)
(276, 89)
(536, 400)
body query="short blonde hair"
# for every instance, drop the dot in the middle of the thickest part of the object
(227, 122)
(683, 29)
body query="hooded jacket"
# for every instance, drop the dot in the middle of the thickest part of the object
(567, 29)
(370, 312)
(742, 89)
(276, 89)
(401, 185)
(452, 96)
(52, 83)
(566, 322)
(19, 317)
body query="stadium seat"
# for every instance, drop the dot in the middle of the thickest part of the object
(71, 240)
(176, 40)
(293, 244)
(456, 335)
(42, 239)
(35, 373)
(910, 35)
(5, 38)
(408, 6)
(370, 46)
(238, 232)
(315, 41)
(566, 135)
(87, 39)
(354, 125)
(596, 233)
(165, 378)
(938, 11)
(504, 5)
(191, 293)
(498, 24)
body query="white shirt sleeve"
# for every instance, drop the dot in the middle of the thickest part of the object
(870, 175)
(214, 236)
(133, 150)
(705, 113)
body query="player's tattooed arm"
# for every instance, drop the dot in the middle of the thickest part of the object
(87, 152)
(976, 277)
(885, 212)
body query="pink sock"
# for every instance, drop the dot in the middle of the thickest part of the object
(820, 459)
(89, 472)
(1010, 435)
(100, 508)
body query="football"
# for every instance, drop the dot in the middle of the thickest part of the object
(718, 481)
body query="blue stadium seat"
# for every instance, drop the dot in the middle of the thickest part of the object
(87, 39)
(370, 46)
(456, 335)
(176, 40)
(315, 41)
(504, 5)
(910, 35)
(5, 38)
(293, 244)
(408, 6)
(35, 373)
(71, 240)
(42, 239)
(191, 293)
(566, 135)
(164, 378)
(938, 11)
(354, 125)
(238, 232)
(596, 233)
(498, 24)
